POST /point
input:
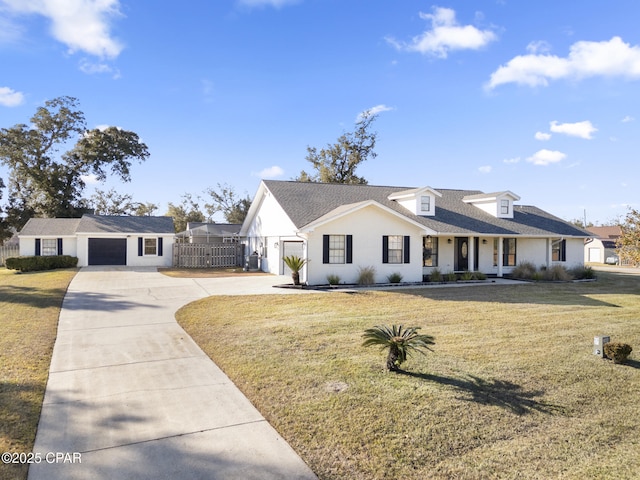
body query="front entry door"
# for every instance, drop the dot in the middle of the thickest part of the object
(462, 254)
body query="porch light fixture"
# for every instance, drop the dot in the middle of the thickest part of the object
(484, 241)
(448, 240)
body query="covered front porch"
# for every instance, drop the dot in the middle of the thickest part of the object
(491, 255)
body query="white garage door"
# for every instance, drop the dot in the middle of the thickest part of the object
(594, 255)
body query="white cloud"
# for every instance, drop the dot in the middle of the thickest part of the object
(267, 3)
(578, 129)
(543, 137)
(628, 119)
(512, 160)
(612, 58)
(374, 111)
(90, 179)
(538, 47)
(82, 25)
(546, 157)
(92, 68)
(270, 172)
(10, 98)
(445, 35)
(485, 169)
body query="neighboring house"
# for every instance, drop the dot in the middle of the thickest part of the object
(339, 228)
(102, 240)
(209, 233)
(602, 248)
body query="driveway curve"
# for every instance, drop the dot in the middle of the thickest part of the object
(130, 395)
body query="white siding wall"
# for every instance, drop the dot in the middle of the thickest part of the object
(266, 232)
(28, 245)
(367, 225)
(133, 260)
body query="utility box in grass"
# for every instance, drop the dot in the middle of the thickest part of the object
(598, 345)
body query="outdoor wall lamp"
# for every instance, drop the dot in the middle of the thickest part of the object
(484, 241)
(448, 240)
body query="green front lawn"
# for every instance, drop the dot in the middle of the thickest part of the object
(29, 310)
(512, 389)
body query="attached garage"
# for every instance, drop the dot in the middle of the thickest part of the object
(107, 251)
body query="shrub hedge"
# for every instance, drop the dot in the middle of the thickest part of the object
(34, 264)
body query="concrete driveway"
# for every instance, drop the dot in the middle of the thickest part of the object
(131, 396)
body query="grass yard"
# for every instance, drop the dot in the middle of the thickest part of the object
(29, 309)
(512, 389)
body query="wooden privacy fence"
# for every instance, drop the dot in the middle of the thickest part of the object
(204, 255)
(7, 252)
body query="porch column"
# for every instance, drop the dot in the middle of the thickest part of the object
(500, 254)
(472, 253)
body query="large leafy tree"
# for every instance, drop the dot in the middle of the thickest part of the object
(111, 202)
(337, 163)
(46, 181)
(629, 242)
(186, 211)
(224, 199)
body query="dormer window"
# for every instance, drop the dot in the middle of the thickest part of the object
(425, 203)
(498, 204)
(419, 201)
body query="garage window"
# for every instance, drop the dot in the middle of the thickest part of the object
(49, 247)
(150, 246)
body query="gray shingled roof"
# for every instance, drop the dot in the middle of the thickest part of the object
(305, 202)
(60, 227)
(98, 224)
(118, 224)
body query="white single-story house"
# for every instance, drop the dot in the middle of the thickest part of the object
(340, 228)
(210, 233)
(102, 240)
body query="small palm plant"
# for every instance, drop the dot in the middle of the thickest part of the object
(399, 341)
(295, 264)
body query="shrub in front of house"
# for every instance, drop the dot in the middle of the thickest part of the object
(466, 276)
(395, 277)
(557, 273)
(479, 276)
(366, 275)
(524, 271)
(616, 351)
(435, 276)
(450, 277)
(583, 273)
(333, 279)
(34, 264)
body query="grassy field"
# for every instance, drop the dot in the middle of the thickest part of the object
(29, 309)
(512, 389)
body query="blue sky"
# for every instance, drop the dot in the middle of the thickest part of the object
(540, 98)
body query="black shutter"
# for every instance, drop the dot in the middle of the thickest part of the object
(159, 246)
(59, 246)
(563, 251)
(385, 249)
(407, 249)
(349, 248)
(140, 247)
(37, 247)
(325, 248)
